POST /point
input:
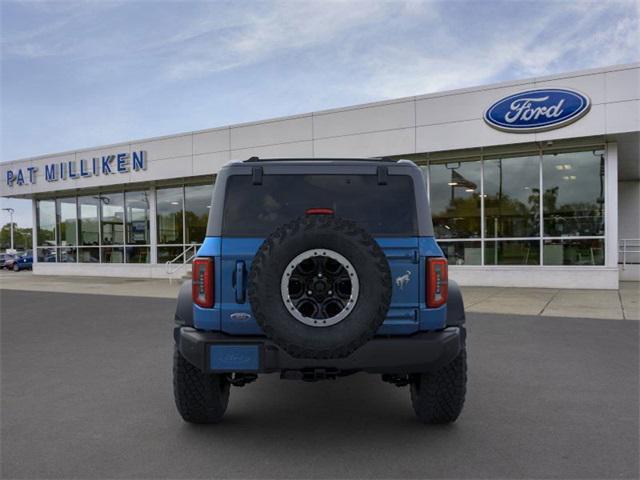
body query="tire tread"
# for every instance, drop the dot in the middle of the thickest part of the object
(199, 397)
(438, 397)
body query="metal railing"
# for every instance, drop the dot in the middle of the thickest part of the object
(628, 247)
(184, 259)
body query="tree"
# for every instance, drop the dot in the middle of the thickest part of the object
(21, 237)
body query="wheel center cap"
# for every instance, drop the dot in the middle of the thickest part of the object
(320, 287)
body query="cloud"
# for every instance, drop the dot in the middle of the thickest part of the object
(50, 29)
(287, 26)
(558, 39)
(404, 47)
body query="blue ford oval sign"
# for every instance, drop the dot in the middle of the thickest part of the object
(537, 110)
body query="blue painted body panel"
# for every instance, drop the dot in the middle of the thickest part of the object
(211, 247)
(406, 255)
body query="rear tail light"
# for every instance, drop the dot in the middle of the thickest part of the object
(319, 211)
(202, 282)
(437, 282)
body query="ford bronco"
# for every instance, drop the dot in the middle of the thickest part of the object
(317, 269)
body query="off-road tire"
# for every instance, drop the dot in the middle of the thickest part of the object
(438, 397)
(344, 237)
(200, 397)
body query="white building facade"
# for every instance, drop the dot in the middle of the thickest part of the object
(532, 183)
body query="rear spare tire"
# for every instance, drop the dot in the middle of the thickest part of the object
(320, 287)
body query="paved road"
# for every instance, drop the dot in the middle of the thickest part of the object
(86, 392)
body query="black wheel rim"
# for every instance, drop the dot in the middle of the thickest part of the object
(320, 287)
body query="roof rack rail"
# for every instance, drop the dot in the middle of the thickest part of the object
(386, 159)
(370, 159)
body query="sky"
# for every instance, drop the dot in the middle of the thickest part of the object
(87, 73)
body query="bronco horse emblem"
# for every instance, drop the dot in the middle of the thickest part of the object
(402, 280)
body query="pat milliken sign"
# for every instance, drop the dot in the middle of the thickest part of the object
(117, 163)
(537, 110)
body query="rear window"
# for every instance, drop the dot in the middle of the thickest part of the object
(257, 210)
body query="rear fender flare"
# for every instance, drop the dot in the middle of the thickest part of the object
(455, 306)
(184, 308)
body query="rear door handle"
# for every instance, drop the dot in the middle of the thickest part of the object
(240, 295)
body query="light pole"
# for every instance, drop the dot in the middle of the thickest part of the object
(11, 212)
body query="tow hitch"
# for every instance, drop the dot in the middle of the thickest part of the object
(241, 379)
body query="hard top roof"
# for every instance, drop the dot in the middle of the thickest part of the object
(337, 161)
(324, 162)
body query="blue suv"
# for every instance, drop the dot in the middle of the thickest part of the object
(318, 269)
(23, 262)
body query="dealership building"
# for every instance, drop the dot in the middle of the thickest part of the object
(533, 183)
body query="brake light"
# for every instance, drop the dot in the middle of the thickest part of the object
(437, 282)
(319, 211)
(202, 282)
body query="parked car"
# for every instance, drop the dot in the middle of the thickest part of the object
(23, 262)
(7, 262)
(317, 269)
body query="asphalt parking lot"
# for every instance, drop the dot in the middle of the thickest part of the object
(86, 393)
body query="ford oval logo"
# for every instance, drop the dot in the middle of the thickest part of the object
(537, 110)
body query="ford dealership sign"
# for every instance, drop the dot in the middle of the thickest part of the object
(537, 110)
(80, 168)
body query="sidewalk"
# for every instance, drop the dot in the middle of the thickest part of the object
(135, 287)
(607, 304)
(610, 304)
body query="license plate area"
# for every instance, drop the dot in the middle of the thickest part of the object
(234, 358)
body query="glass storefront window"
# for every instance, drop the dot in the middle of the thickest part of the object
(137, 254)
(112, 254)
(512, 197)
(169, 208)
(512, 252)
(462, 253)
(46, 254)
(89, 255)
(196, 211)
(67, 254)
(67, 221)
(137, 218)
(46, 217)
(166, 254)
(574, 252)
(115, 227)
(573, 198)
(88, 227)
(455, 199)
(112, 218)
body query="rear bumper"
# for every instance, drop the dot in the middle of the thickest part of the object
(419, 352)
